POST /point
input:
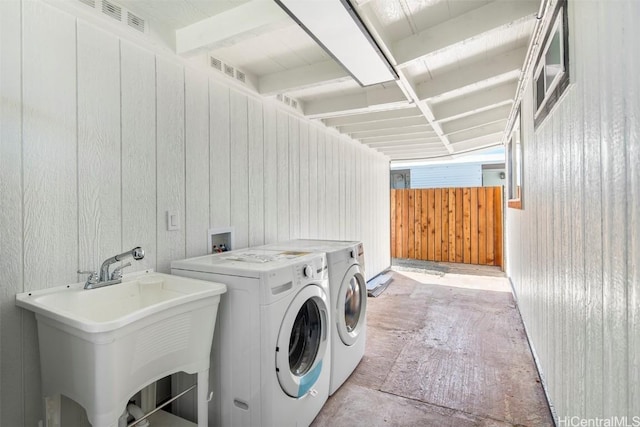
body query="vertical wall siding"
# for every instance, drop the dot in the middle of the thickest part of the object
(239, 172)
(99, 137)
(631, 63)
(12, 387)
(257, 175)
(138, 148)
(574, 249)
(197, 162)
(220, 152)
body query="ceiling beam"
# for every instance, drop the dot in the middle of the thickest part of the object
(373, 117)
(410, 90)
(507, 63)
(380, 98)
(476, 102)
(425, 130)
(469, 25)
(382, 125)
(480, 142)
(493, 128)
(308, 76)
(415, 147)
(418, 156)
(428, 137)
(404, 81)
(475, 120)
(230, 27)
(415, 143)
(414, 151)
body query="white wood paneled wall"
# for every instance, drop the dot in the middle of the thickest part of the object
(101, 136)
(574, 251)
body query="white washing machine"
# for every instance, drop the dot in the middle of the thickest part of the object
(348, 293)
(271, 352)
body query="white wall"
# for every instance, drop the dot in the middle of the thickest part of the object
(100, 137)
(574, 251)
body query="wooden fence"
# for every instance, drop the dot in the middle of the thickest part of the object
(461, 225)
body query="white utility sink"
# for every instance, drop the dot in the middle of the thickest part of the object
(101, 346)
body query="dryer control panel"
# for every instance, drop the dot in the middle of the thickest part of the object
(311, 268)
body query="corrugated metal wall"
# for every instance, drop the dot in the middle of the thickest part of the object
(100, 137)
(574, 251)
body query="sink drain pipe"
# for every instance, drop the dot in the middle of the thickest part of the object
(139, 422)
(138, 415)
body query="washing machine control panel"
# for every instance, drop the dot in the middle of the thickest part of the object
(307, 271)
(314, 269)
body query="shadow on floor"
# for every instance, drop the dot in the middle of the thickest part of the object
(434, 267)
(442, 350)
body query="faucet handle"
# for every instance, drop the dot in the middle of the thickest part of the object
(117, 272)
(93, 276)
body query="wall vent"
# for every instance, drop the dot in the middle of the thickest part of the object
(291, 102)
(120, 14)
(229, 70)
(135, 22)
(215, 63)
(112, 10)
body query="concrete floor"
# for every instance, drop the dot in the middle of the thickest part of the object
(443, 349)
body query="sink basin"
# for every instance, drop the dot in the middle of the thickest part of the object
(100, 346)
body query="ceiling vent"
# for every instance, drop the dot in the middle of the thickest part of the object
(241, 76)
(117, 12)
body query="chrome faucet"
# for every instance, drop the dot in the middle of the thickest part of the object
(96, 280)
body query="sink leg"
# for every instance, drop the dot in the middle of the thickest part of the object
(203, 387)
(53, 408)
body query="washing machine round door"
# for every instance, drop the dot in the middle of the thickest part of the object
(351, 305)
(302, 341)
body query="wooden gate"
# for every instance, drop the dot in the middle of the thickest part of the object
(461, 225)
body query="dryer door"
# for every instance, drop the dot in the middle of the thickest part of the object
(351, 305)
(302, 341)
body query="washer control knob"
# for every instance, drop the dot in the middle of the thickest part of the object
(307, 271)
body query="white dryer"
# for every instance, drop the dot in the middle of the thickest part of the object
(271, 352)
(348, 293)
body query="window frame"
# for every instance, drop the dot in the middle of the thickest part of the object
(515, 160)
(560, 83)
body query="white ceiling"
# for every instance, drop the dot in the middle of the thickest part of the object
(458, 60)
